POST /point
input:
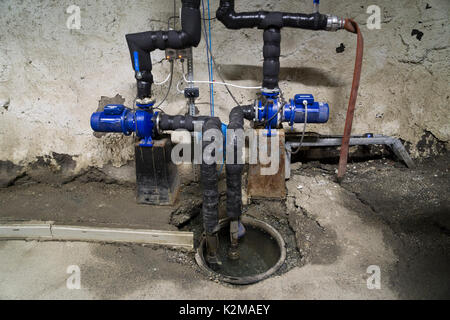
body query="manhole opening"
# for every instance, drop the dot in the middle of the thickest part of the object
(262, 252)
(189, 218)
(257, 249)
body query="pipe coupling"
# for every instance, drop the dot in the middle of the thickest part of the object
(157, 123)
(334, 23)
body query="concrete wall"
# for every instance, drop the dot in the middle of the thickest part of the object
(52, 78)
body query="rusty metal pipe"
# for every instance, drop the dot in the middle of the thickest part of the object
(351, 26)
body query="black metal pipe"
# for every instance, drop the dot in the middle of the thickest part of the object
(167, 122)
(271, 53)
(233, 167)
(209, 175)
(265, 19)
(209, 178)
(143, 43)
(272, 23)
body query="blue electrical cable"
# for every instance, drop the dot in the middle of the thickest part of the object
(211, 62)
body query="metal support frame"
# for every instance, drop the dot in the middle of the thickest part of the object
(334, 141)
(157, 179)
(190, 77)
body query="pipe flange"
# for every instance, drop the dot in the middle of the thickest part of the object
(158, 130)
(125, 131)
(149, 101)
(280, 112)
(274, 91)
(280, 118)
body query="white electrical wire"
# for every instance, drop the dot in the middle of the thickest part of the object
(217, 82)
(161, 83)
(178, 87)
(305, 103)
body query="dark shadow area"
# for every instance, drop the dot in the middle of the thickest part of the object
(415, 205)
(330, 155)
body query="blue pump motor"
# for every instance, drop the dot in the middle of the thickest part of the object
(318, 112)
(292, 112)
(118, 118)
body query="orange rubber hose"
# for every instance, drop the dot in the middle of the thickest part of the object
(351, 26)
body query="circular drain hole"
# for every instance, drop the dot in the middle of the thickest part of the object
(262, 252)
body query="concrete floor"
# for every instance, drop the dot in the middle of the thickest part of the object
(34, 270)
(382, 214)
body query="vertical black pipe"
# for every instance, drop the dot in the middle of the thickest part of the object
(271, 23)
(209, 178)
(271, 53)
(233, 167)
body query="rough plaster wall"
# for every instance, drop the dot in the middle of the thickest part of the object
(51, 78)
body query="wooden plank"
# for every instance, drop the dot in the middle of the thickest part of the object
(25, 231)
(47, 231)
(167, 238)
(268, 186)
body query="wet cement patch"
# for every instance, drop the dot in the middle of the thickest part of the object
(52, 169)
(58, 169)
(317, 244)
(9, 173)
(78, 203)
(64, 161)
(189, 205)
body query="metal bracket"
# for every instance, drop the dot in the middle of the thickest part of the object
(334, 141)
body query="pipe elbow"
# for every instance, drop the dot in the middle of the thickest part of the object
(227, 16)
(143, 43)
(235, 110)
(236, 118)
(189, 39)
